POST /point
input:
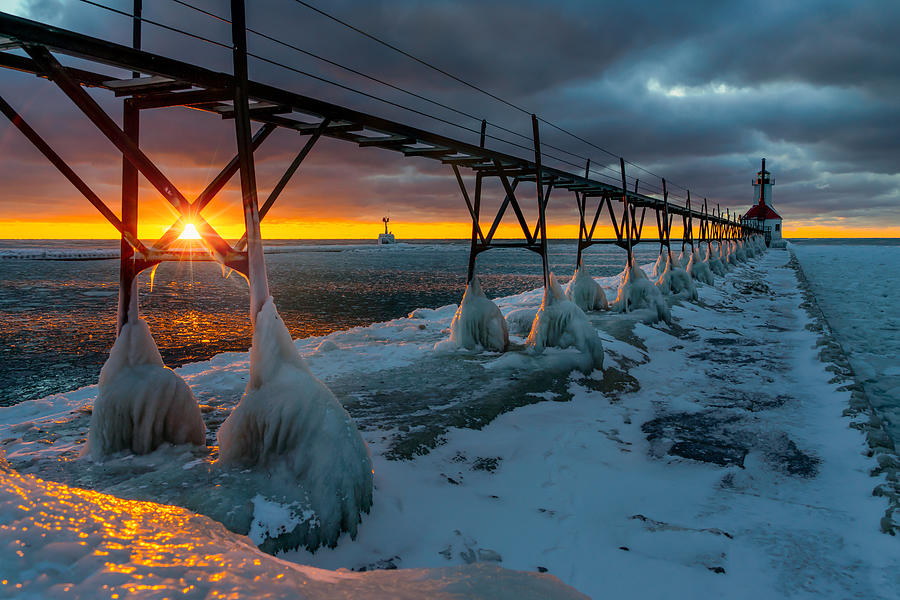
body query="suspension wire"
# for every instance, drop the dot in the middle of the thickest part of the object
(351, 89)
(157, 24)
(378, 80)
(410, 56)
(304, 73)
(472, 86)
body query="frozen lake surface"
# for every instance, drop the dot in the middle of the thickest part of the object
(857, 287)
(58, 307)
(711, 458)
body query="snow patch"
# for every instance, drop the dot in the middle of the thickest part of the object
(327, 346)
(519, 320)
(272, 519)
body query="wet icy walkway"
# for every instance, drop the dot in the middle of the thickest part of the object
(712, 459)
(730, 472)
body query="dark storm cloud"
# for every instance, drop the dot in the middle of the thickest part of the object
(697, 91)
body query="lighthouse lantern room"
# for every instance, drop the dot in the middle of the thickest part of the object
(763, 214)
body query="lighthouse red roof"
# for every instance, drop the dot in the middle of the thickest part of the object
(762, 212)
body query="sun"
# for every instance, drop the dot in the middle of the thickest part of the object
(189, 233)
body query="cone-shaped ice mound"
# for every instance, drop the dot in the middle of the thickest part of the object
(738, 251)
(675, 280)
(585, 292)
(659, 266)
(559, 323)
(728, 253)
(637, 292)
(141, 404)
(290, 423)
(699, 269)
(715, 263)
(478, 323)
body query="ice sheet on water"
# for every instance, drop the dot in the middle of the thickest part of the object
(141, 404)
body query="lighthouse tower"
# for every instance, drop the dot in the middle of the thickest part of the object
(762, 213)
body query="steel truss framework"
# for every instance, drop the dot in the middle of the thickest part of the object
(159, 82)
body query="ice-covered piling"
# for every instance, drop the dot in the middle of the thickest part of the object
(478, 323)
(713, 259)
(289, 422)
(141, 404)
(675, 280)
(637, 292)
(699, 269)
(585, 292)
(560, 323)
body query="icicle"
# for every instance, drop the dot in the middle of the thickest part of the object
(153, 274)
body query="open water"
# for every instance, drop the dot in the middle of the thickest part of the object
(58, 303)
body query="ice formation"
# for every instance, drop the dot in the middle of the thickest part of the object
(560, 323)
(715, 263)
(141, 404)
(75, 543)
(739, 253)
(675, 280)
(478, 323)
(760, 244)
(519, 320)
(699, 269)
(660, 265)
(585, 292)
(290, 423)
(636, 291)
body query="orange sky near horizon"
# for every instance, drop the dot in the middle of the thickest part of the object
(347, 229)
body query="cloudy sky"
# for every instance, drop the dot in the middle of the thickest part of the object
(697, 92)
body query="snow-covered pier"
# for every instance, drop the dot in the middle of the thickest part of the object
(668, 431)
(713, 452)
(289, 422)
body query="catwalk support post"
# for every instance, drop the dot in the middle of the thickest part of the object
(256, 265)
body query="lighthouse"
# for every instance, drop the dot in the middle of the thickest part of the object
(762, 214)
